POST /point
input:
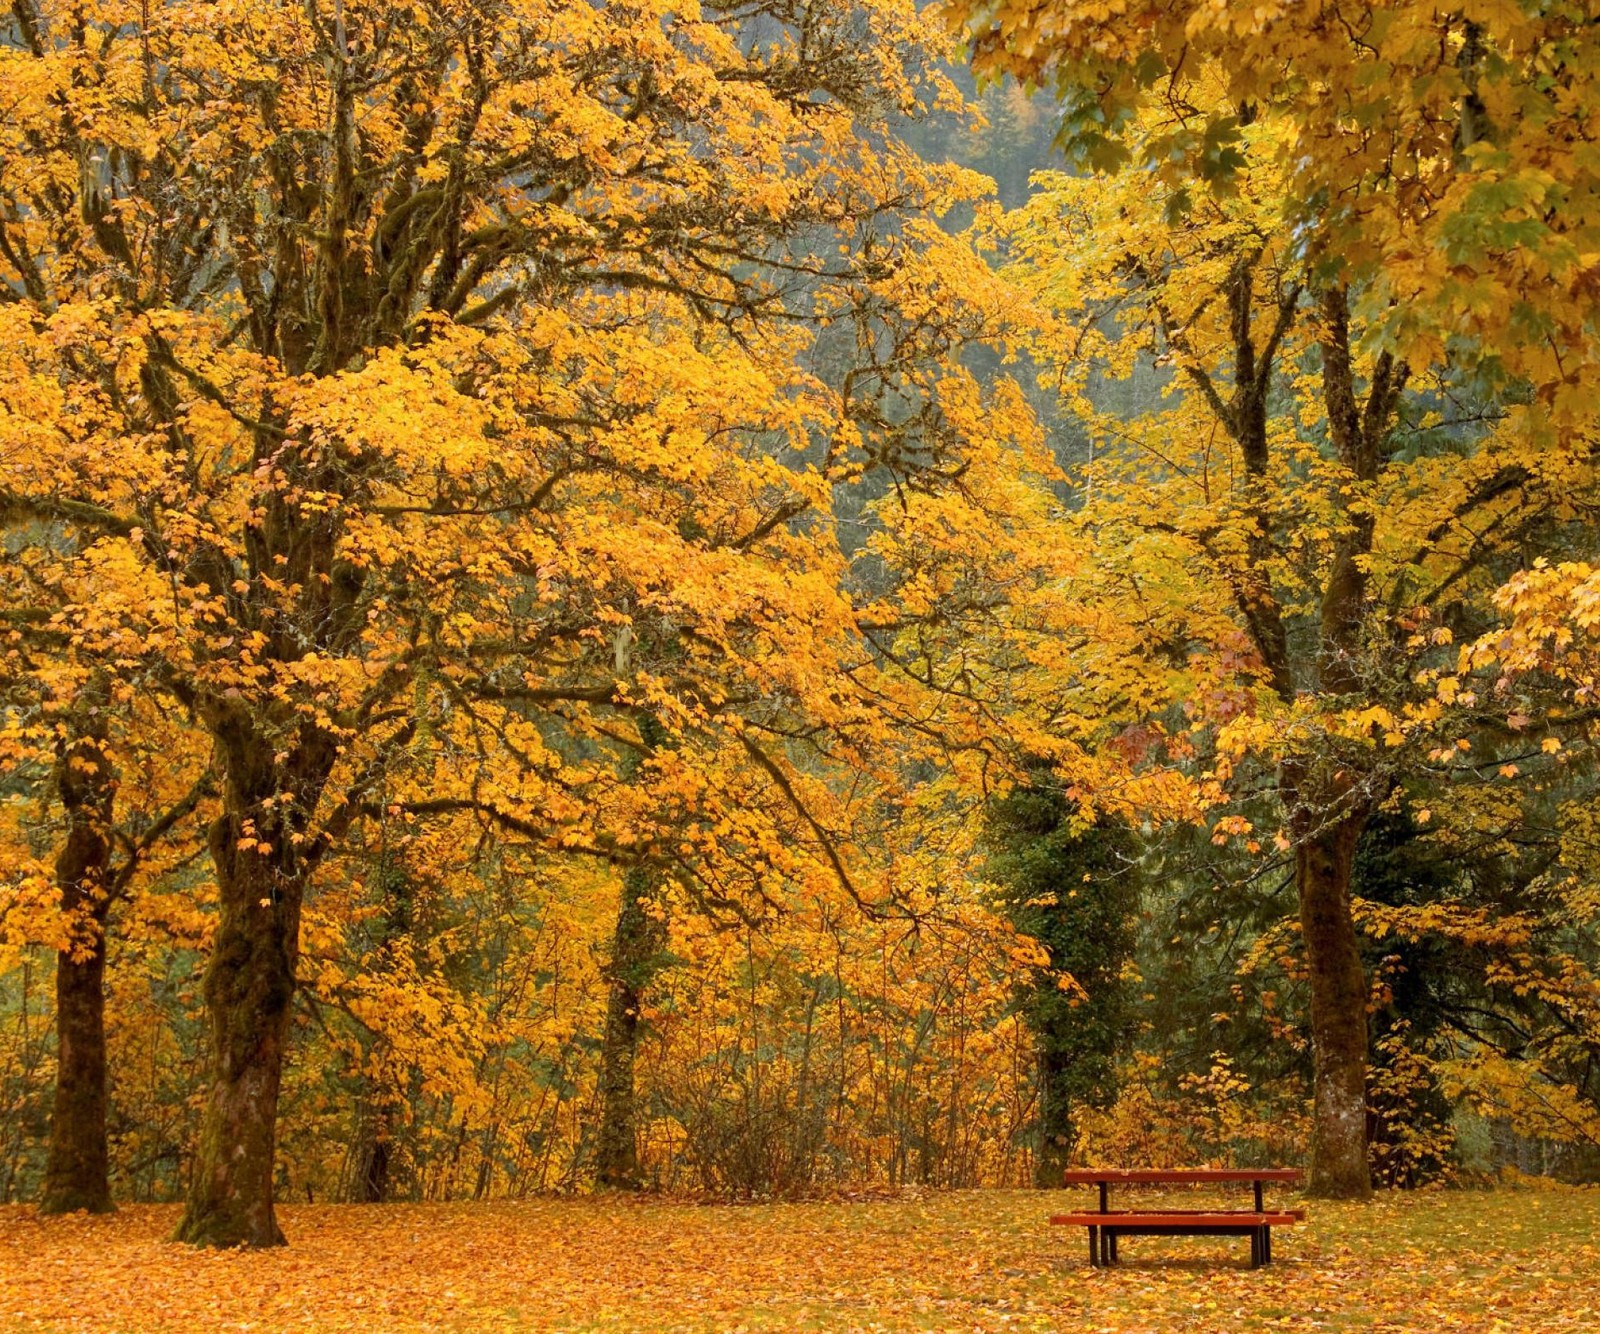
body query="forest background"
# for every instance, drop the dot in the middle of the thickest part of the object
(682, 600)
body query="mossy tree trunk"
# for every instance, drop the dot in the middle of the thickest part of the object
(1330, 796)
(77, 1173)
(1057, 1133)
(258, 849)
(635, 958)
(1338, 985)
(249, 986)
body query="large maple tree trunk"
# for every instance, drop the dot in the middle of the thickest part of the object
(1330, 810)
(635, 957)
(249, 986)
(77, 1175)
(1338, 986)
(77, 1172)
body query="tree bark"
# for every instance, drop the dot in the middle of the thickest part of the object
(249, 986)
(1329, 803)
(635, 957)
(77, 1173)
(1338, 986)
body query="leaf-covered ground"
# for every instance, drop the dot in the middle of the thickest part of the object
(1507, 1260)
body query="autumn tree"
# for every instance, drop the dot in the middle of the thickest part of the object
(431, 373)
(1529, 1058)
(1289, 485)
(1432, 166)
(1433, 157)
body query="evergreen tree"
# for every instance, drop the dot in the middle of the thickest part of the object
(1074, 890)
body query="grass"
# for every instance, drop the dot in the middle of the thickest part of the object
(1508, 1260)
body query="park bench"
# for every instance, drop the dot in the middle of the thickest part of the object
(1106, 1225)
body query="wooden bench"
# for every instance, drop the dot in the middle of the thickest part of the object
(1107, 1225)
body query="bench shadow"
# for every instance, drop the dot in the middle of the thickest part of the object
(1190, 1263)
(1074, 1264)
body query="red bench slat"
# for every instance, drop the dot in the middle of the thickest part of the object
(1297, 1212)
(1173, 1218)
(1093, 1176)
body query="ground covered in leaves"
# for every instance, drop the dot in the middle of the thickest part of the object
(1519, 1260)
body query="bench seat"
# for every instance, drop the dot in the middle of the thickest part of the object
(1105, 1227)
(1191, 1218)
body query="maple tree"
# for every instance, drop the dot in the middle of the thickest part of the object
(425, 377)
(1297, 511)
(1436, 157)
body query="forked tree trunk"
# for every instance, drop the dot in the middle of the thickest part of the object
(372, 1155)
(77, 1174)
(249, 986)
(1332, 811)
(372, 1187)
(635, 957)
(1338, 986)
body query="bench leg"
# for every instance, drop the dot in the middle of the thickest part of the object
(1266, 1245)
(1114, 1259)
(1255, 1248)
(1094, 1246)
